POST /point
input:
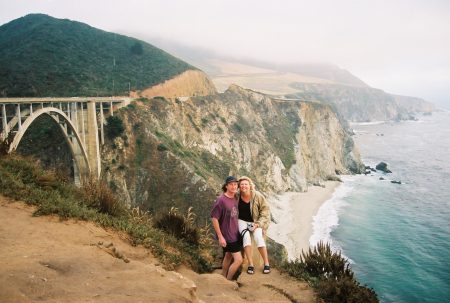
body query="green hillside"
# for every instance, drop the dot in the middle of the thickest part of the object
(43, 56)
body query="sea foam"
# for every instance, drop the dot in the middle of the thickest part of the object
(327, 218)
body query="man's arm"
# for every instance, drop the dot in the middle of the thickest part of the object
(222, 241)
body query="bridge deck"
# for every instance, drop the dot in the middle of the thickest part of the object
(64, 99)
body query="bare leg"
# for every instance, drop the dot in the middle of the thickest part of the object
(226, 263)
(248, 253)
(263, 252)
(236, 263)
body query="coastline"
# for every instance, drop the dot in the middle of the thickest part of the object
(294, 213)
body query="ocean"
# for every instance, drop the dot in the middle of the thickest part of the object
(396, 236)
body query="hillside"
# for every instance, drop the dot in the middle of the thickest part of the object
(177, 153)
(43, 56)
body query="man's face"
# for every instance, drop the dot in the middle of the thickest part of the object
(232, 187)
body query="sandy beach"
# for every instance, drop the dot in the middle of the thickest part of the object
(293, 213)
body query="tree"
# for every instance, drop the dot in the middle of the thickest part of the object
(137, 49)
(115, 127)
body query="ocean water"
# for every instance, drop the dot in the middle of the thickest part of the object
(396, 236)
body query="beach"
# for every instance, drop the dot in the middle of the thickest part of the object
(293, 213)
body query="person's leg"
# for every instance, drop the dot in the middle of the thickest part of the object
(259, 239)
(247, 243)
(226, 263)
(237, 261)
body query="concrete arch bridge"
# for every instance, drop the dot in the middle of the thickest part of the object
(80, 119)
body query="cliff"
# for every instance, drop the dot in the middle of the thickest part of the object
(177, 153)
(189, 83)
(355, 104)
(413, 104)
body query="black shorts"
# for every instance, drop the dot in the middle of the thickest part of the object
(232, 247)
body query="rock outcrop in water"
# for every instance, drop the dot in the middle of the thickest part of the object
(383, 167)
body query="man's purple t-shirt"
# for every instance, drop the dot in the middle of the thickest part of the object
(226, 212)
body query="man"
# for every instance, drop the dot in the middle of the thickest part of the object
(225, 216)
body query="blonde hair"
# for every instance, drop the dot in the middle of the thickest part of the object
(252, 186)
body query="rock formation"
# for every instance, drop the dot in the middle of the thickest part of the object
(282, 145)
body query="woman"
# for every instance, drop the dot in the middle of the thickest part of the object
(253, 210)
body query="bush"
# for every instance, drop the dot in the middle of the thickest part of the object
(112, 185)
(223, 120)
(162, 147)
(115, 127)
(237, 126)
(330, 275)
(177, 225)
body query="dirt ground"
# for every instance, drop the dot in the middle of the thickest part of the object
(44, 259)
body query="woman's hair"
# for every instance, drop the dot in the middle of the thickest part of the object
(252, 186)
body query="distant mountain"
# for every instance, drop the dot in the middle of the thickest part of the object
(44, 56)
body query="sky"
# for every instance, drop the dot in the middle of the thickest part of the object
(399, 46)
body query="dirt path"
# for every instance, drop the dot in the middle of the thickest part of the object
(43, 259)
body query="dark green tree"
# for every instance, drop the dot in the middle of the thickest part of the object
(115, 127)
(137, 49)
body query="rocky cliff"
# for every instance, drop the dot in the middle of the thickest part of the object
(413, 104)
(177, 153)
(354, 103)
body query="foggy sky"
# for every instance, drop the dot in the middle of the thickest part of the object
(402, 47)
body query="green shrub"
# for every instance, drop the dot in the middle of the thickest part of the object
(136, 126)
(237, 126)
(159, 134)
(125, 137)
(178, 144)
(114, 127)
(177, 101)
(223, 120)
(126, 144)
(162, 147)
(139, 141)
(112, 185)
(330, 275)
(121, 166)
(113, 161)
(204, 121)
(132, 105)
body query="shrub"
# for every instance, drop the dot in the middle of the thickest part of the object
(204, 121)
(139, 141)
(177, 144)
(115, 127)
(113, 161)
(112, 185)
(177, 101)
(237, 126)
(177, 225)
(125, 137)
(136, 126)
(121, 166)
(162, 147)
(132, 105)
(126, 144)
(330, 275)
(223, 120)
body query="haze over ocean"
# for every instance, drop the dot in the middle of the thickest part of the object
(397, 237)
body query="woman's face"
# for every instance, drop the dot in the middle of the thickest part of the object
(244, 185)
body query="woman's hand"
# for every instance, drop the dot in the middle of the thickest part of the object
(222, 241)
(255, 226)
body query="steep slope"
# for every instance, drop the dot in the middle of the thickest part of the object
(177, 153)
(413, 104)
(355, 104)
(44, 56)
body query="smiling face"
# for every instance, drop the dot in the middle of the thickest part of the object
(232, 187)
(244, 186)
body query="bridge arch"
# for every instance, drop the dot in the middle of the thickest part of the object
(76, 146)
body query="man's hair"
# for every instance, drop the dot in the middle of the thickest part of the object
(224, 187)
(252, 186)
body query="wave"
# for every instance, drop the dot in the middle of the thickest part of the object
(369, 123)
(327, 218)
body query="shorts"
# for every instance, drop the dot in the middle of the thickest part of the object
(232, 247)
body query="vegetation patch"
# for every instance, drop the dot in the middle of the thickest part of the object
(114, 127)
(330, 276)
(63, 58)
(22, 179)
